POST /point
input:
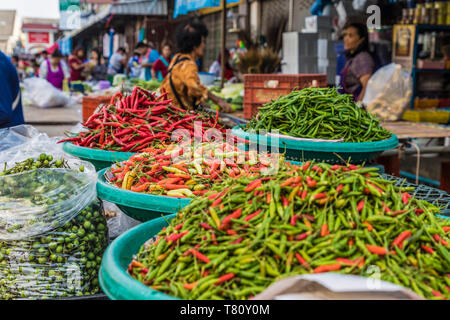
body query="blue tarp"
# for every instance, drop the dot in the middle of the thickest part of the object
(184, 6)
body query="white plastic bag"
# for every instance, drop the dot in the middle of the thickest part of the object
(388, 92)
(43, 94)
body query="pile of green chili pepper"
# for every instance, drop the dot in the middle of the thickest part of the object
(319, 113)
(245, 234)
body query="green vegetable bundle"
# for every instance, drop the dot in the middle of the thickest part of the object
(247, 233)
(319, 113)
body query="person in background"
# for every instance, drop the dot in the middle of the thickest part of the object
(182, 81)
(43, 56)
(359, 65)
(134, 68)
(76, 64)
(216, 66)
(117, 62)
(11, 113)
(147, 60)
(35, 68)
(54, 70)
(160, 67)
(97, 69)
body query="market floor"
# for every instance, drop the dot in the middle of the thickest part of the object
(53, 121)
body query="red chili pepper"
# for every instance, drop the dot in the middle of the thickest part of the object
(301, 236)
(427, 249)
(178, 227)
(239, 240)
(302, 261)
(231, 232)
(285, 201)
(269, 196)
(369, 226)
(304, 194)
(376, 249)
(327, 268)
(200, 256)
(175, 236)
(405, 197)
(251, 216)
(294, 219)
(324, 230)
(446, 229)
(306, 165)
(345, 261)
(253, 185)
(350, 242)
(339, 188)
(216, 202)
(320, 196)
(360, 206)
(310, 182)
(418, 211)
(235, 215)
(401, 237)
(224, 278)
(437, 294)
(213, 238)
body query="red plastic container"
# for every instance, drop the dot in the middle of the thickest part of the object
(89, 104)
(263, 88)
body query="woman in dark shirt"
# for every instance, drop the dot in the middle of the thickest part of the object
(360, 65)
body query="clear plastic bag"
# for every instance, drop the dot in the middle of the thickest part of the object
(37, 201)
(388, 92)
(43, 94)
(14, 136)
(60, 263)
(120, 222)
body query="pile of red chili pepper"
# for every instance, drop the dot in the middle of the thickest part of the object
(137, 121)
(235, 241)
(177, 171)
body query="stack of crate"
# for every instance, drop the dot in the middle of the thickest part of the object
(327, 59)
(312, 50)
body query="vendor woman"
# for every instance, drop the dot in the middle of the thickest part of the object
(359, 65)
(182, 81)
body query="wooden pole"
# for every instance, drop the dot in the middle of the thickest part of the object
(222, 47)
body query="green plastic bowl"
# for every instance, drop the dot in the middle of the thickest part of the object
(358, 152)
(114, 280)
(99, 158)
(139, 206)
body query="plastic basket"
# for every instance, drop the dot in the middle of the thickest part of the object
(321, 151)
(118, 285)
(114, 280)
(263, 88)
(439, 198)
(99, 158)
(89, 104)
(139, 206)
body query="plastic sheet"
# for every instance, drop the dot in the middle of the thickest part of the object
(14, 136)
(62, 262)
